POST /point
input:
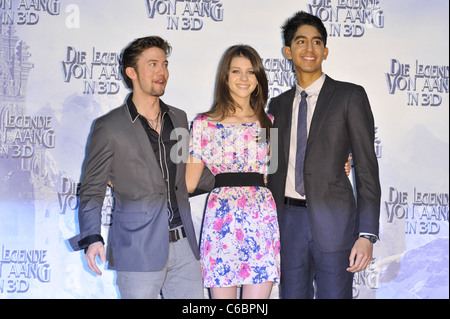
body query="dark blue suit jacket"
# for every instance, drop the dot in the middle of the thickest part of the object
(342, 123)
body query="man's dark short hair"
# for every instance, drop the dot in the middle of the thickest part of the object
(301, 18)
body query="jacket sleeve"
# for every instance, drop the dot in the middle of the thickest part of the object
(362, 135)
(96, 173)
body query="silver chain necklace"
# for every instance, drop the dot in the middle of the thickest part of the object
(154, 124)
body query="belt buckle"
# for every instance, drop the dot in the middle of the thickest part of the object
(176, 234)
(295, 202)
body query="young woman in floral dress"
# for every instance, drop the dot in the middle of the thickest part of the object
(240, 244)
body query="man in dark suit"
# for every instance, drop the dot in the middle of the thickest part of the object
(326, 234)
(153, 245)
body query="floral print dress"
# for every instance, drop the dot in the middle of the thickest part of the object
(240, 241)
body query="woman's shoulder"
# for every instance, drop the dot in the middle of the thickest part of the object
(200, 117)
(203, 121)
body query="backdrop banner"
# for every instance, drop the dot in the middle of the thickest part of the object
(59, 71)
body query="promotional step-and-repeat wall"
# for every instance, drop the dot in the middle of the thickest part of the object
(59, 71)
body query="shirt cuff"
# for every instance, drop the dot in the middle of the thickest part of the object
(369, 234)
(85, 242)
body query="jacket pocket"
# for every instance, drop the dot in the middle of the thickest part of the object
(342, 193)
(132, 222)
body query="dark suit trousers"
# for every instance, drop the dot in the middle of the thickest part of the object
(304, 265)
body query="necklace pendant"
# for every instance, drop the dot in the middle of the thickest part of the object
(154, 124)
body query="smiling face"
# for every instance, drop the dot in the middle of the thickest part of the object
(241, 79)
(151, 73)
(307, 52)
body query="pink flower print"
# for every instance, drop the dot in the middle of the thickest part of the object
(272, 204)
(228, 219)
(268, 219)
(212, 201)
(277, 246)
(218, 224)
(242, 202)
(248, 137)
(268, 245)
(245, 271)
(204, 141)
(206, 248)
(212, 263)
(262, 153)
(239, 234)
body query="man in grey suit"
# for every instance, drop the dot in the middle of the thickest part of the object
(152, 246)
(326, 235)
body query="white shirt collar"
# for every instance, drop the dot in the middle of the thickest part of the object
(314, 88)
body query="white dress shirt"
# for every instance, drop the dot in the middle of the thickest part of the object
(313, 94)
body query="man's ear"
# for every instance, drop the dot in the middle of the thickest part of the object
(287, 52)
(325, 53)
(131, 72)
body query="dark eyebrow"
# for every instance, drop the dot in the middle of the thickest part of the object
(238, 68)
(303, 37)
(154, 60)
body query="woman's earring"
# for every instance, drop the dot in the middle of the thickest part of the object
(257, 93)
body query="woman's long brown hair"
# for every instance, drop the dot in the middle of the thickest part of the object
(224, 105)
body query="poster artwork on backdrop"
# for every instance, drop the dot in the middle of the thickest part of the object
(97, 71)
(184, 15)
(424, 84)
(348, 18)
(30, 178)
(423, 212)
(25, 170)
(27, 12)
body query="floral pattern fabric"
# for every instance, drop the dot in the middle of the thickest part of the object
(240, 241)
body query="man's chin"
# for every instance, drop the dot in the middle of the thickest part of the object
(158, 93)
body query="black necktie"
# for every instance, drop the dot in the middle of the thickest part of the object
(301, 145)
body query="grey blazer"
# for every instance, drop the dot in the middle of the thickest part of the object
(119, 151)
(342, 123)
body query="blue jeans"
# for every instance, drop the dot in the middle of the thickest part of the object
(303, 263)
(181, 278)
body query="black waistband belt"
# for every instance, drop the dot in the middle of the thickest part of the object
(295, 202)
(176, 234)
(239, 179)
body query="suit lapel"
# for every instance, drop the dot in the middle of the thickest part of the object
(322, 107)
(176, 121)
(145, 149)
(286, 121)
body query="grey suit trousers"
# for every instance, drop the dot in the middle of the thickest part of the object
(181, 278)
